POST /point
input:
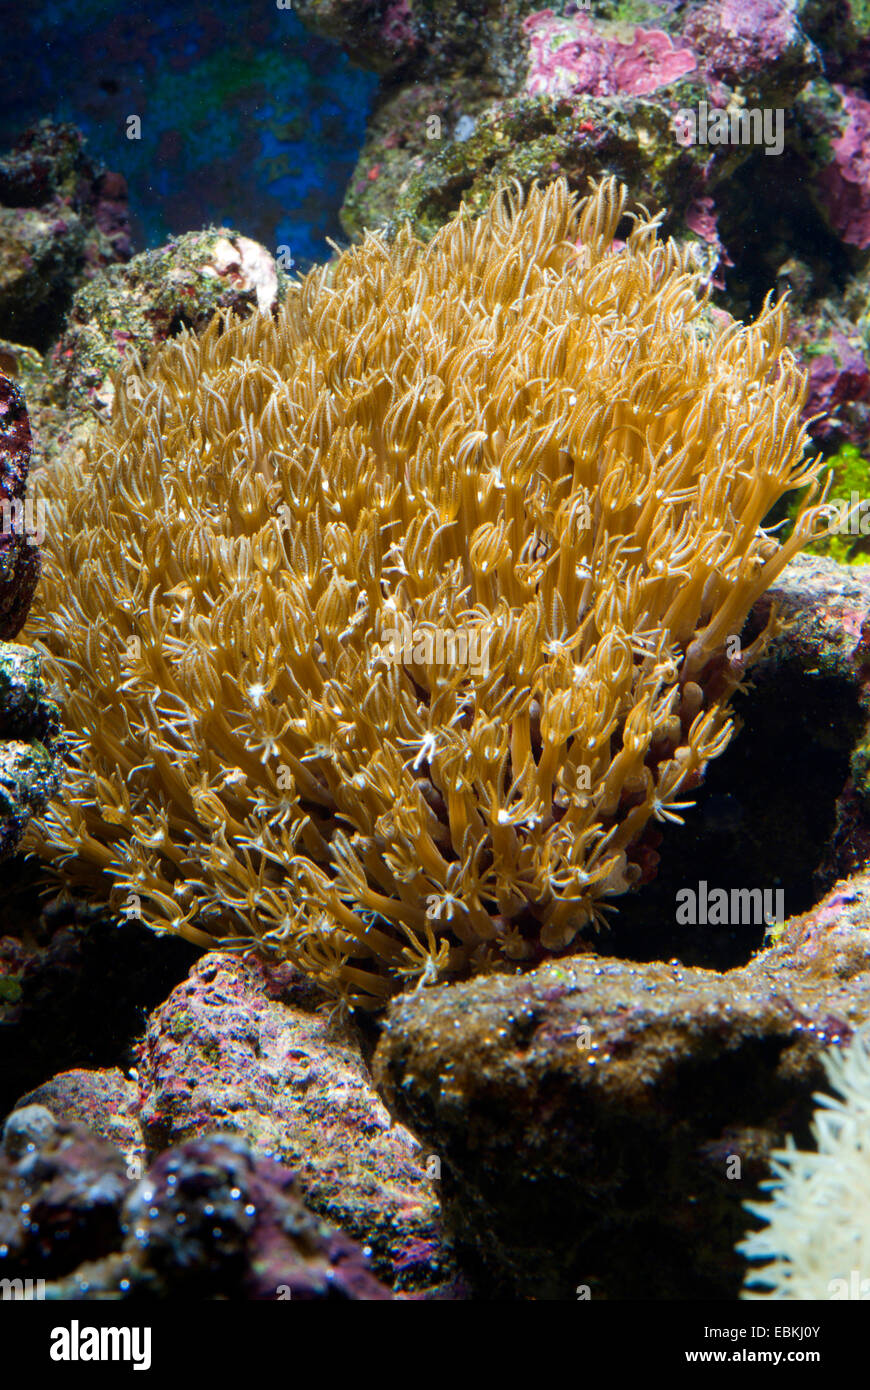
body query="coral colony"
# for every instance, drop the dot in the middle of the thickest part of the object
(405, 494)
(814, 1241)
(513, 438)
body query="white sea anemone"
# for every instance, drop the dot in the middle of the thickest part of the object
(817, 1237)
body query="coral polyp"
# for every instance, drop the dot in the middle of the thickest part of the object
(814, 1244)
(388, 623)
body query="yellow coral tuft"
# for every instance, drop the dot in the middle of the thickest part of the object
(388, 624)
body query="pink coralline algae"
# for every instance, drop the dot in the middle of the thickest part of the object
(835, 379)
(701, 218)
(398, 27)
(570, 55)
(19, 558)
(845, 183)
(738, 38)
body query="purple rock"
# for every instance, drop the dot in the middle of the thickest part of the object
(845, 183)
(739, 39)
(572, 55)
(19, 556)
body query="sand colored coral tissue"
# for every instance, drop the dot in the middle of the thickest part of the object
(390, 622)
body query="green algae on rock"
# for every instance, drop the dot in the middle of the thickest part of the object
(136, 307)
(848, 540)
(524, 138)
(123, 315)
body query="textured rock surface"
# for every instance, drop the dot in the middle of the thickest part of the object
(212, 1219)
(384, 36)
(836, 355)
(137, 306)
(575, 92)
(404, 172)
(29, 721)
(588, 1115)
(19, 553)
(209, 1219)
(30, 744)
(246, 1048)
(61, 1193)
(471, 98)
(102, 1101)
(61, 218)
(844, 183)
(756, 47)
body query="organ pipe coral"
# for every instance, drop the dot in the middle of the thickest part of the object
(388, 623)
(817, 1236)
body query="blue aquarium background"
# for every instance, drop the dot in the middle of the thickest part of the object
(245, 118)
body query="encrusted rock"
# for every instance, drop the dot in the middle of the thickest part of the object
(756, 47)
(600, 1123)
(61, 218)
(101, 1100)
(29, 1126)
(132, 309)
(158, 293)
(61, 1192)
(383, 36)
(529, 93)
(247, 1048)
(19, 522)
(209, 1220)
(477, 144)
(29, 721)
(54, 964)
